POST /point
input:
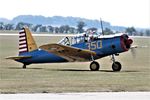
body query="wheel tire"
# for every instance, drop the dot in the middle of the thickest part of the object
(24, 66)
(94, 66)
(116, 66)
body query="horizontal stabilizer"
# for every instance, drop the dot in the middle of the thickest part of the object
(19, 57)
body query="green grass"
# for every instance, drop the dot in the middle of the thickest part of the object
(73, 77)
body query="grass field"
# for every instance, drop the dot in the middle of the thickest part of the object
(73, 77)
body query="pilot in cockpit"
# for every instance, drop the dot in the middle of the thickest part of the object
(92, 35)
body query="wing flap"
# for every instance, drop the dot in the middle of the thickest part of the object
(69, 53)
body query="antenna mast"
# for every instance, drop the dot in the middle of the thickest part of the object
(102, 26)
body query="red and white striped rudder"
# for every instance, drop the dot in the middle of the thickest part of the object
(22, 41)
(26, 41)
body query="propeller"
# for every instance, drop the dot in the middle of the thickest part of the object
(133, 50)
(128, 41)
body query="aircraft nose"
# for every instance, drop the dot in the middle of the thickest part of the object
(129, 42)
(126, 42)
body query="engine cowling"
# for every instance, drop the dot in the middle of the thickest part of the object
(126, 42)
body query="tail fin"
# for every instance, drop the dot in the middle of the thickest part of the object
(26, 41)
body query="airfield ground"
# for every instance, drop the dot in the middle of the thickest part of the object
(73, 77)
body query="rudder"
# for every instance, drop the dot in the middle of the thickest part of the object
(26, 41)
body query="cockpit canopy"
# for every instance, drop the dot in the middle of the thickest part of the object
(79, 38)
(85, 37)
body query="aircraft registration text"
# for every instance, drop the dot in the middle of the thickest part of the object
(94, 45)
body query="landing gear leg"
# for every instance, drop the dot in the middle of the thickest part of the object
(116, 66)
(94, 66)
(24, 66)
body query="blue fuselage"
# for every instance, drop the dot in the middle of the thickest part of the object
(102, 46)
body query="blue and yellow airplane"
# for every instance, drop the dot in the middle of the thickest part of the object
(79, 48)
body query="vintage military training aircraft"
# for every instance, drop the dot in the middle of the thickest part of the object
(80, 48)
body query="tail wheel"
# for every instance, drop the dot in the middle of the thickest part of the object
(116, 66)
(94, 66)
(24, 66)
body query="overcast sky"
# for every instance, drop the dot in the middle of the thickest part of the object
(118, 12)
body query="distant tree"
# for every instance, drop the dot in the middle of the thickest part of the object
(62, 29)
(147, 32)
(43, 29)
(72, 30)
(108, 31)
(131, 30)
(141, 33)
(50, 29)
(80, 26)
(36, 27)
(66, 28)
(9, 27)
(56, 30)
(92, 29)
(20, 25)
(1, 25)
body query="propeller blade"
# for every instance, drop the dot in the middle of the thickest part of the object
(133, 50)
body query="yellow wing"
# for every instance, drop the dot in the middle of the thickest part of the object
(69, 53)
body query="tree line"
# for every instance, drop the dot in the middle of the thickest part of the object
(44, 28)
(68, 29)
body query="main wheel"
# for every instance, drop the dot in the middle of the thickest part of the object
(116, 66)
(94, 66)
(24, 66)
